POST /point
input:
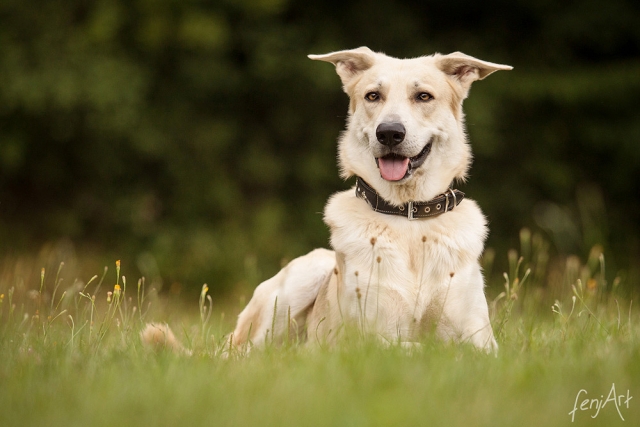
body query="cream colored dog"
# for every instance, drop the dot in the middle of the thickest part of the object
(406, 246)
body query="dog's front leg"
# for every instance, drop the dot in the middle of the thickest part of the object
(279, 304)
(465, 313)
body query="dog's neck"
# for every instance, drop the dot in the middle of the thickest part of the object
(445, 202)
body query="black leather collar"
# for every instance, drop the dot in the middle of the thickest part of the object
(412, 210)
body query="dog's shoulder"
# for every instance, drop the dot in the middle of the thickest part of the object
(467, 218)
(465, 229)
(345, 207)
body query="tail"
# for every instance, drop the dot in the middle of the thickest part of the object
(160, 337)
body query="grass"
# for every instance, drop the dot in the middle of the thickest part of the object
(70, 357)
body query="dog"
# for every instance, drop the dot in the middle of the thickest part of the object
(406, 245)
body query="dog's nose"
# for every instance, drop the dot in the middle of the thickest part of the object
(390, 133)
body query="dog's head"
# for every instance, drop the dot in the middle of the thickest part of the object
(405, 134)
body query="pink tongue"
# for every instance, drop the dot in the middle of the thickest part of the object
(393, 168)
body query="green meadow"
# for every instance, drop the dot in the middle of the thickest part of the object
(72, 356)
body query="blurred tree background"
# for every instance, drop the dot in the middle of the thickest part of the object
(195, 138)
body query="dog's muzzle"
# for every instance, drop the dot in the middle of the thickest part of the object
(395, 167)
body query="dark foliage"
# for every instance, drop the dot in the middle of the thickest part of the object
(197, 136)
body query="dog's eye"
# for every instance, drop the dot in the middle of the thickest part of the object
(424, 97)
(372, 96)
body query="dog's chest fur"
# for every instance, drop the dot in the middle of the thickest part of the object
(391, 269)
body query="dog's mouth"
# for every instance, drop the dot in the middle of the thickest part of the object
(394, 167)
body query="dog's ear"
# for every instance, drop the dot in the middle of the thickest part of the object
(466, 69)
(349, 63)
